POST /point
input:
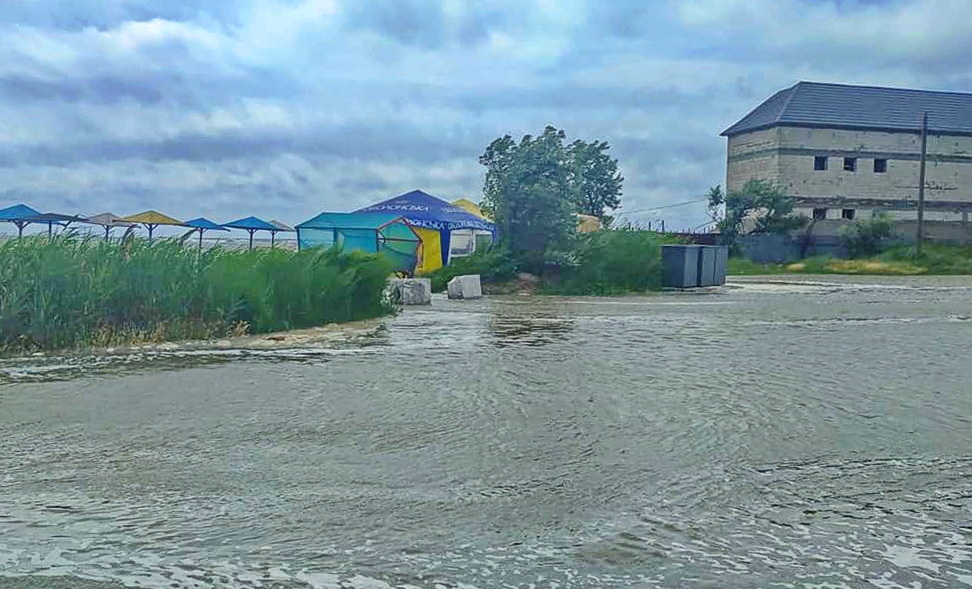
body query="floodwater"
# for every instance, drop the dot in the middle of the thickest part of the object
(813, 433)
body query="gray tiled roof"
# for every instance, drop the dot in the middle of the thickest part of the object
(812, 104)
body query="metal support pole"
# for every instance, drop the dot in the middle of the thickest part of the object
(921, 184)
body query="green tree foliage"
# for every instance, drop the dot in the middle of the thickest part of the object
(595, 178)
(769, 207)
(867, 237)
(528, 192)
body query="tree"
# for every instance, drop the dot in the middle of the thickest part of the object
(594, 178)
(714, 209)
(765, 203)
(528, 192)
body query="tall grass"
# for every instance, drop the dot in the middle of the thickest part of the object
(612, 262)
(72, 291)
(604, 262)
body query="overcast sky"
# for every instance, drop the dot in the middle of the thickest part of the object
(281, 109)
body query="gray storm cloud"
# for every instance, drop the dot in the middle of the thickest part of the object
(282, 109)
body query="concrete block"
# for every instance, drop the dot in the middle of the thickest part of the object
(465, 287)
(411, 291)
(681, 265)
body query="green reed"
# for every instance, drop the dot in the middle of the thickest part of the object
(73, 291)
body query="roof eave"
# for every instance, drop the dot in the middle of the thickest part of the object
(887, 129)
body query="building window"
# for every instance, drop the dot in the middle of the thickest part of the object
(820, 162)
(847, 214)
(880, 166)
(850, 164)
(819, 213)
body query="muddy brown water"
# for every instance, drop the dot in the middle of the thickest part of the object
(813, 433)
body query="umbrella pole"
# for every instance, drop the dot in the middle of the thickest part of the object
(20, 230)
(200, 238)
(251, 232)
(107, 230)
(273, 237)
(50, 230)
(151, 228)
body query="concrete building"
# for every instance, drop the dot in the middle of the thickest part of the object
(845, 152)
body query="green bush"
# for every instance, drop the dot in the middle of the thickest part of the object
(867, 237)
(612, 262)
(73, 291)
(493, 264)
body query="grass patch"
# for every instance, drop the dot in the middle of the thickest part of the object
(826, 265)
(73, 291)
(935, 259)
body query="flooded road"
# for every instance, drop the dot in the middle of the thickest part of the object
(817, 433)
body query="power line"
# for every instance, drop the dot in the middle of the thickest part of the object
(671, 206)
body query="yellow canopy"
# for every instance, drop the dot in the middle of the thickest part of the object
(470, 207)
(588, 223)
(151, 218)
(431, 258)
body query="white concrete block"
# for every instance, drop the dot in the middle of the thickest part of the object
(465, 287)
(411, 291)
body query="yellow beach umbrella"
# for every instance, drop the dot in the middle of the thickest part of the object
(151, 220)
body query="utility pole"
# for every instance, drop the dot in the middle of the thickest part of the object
(921, 183)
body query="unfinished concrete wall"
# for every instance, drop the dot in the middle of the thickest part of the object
(753, 156)
(948, 173)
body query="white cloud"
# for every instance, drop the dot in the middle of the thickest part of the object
(284, 108)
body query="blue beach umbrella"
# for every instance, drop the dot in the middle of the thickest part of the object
(251, 225)
(20, 215)
(202, 224)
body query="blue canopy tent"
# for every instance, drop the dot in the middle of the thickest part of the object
(202, 225)
(251, 225)
(422, 210)
(384, 233)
